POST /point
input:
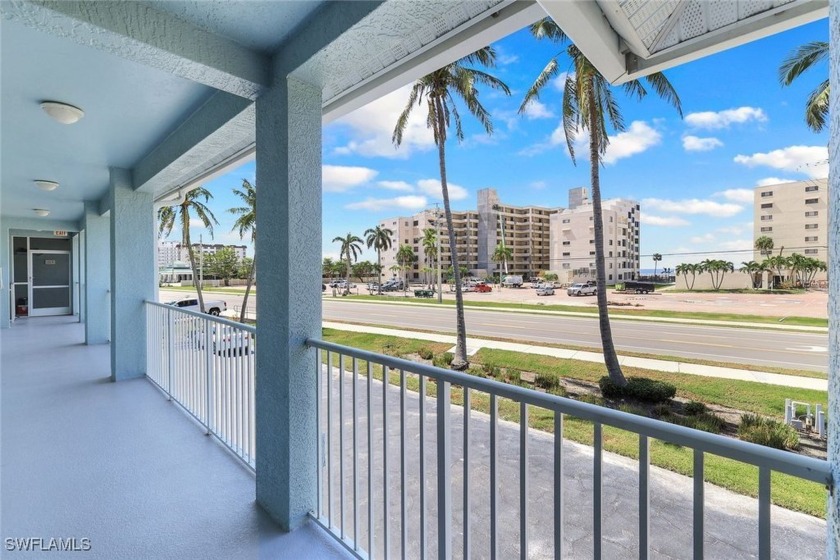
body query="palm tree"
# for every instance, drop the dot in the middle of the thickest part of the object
(776, 263)
(405, 258)
(685, 269)
(816, 108)
(754, 269)
(247, 222)
(656, 260)
(439, 90)
(502, 254)
(588, 104)
(764, 245)
(378, 238)
(194, 202)
(351, 248)
(717, 269)
(430, 250)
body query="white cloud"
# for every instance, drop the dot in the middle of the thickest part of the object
(722, 119)
(737, 195)
(810, 160)
(705, 238)
(432, 188)
(693, 206)
(766, 182)
(537, 110)
(559, 83)
(736, 230)
(639, 137)
(697, 144)
(373, 125)
(408, 202)
(396, 186)
(342, 178)
(662, 221)
(736, 245)
(503, 58)
(196, 223)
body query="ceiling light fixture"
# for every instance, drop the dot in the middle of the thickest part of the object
(45, 185)
(41, 211)
(62, 112)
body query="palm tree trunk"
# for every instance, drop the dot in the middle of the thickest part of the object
(378, 271)
(248, 289)
(459, 362)
(349, 268)
(608, 348)
(185, 234)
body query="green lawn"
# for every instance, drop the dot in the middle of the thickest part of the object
(787, 491)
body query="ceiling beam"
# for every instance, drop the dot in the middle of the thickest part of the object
(471, 36)
(135, 31)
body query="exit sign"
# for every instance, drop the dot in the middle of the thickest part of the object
(60, 233)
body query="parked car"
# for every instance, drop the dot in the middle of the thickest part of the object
(212, 306)
(545, 291)
(512, 281)
(482, 287)
(582, 289)
(393, 286)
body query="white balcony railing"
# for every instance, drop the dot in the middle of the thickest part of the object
(207, 366)
(384, 498)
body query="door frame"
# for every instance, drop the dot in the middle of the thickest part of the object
(45, 311)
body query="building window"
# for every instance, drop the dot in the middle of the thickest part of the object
(766, 218)
(811, 200)
(567, 254)
(811, 226)
(767, 205)
(566, 265)
(811, 238)
(812, 188)
(610, 277)
(591, 218)
(567, 243)
(591, 241)
(591, 253)
(811, 251)
(611, 253)
(812, 214)
(765, 194)
(610, 241)
(765, 229)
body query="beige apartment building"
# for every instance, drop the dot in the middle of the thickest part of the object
(573, 239)
(541, 239)
(795, 217)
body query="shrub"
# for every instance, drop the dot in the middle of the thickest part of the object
(763, 431)
(513, 376)
(426, 353)
(547, 381)
(705, 421)
(442, 360)
(694, 408)
(639, 388)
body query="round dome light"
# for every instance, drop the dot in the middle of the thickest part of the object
(62, 112)
(46, 185)
(41, 212)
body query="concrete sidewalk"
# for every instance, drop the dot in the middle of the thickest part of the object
(474, 344)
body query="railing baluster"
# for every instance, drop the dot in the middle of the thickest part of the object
(170, 337)
(355, 457)
(341, 444)
(385, 537)
(698, 504)
(467, 406)
(371, 552)
(403, 485)
(330, 519)
(318, 474)
(558, 485)
(422, 466)
(764, 503)
(523, 480)
(494, 488)
(208, 378)
(597, 489)
(444, 460)
(644, 497)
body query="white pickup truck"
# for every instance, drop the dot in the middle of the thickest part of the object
(582, 289)
(212, 306)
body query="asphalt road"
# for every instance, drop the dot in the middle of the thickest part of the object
(721, 344)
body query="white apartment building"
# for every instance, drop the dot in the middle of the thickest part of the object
(209, 249)
(167, 253)
(573, 239)
(795, 217)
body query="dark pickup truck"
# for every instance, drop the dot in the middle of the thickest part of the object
(639, 287)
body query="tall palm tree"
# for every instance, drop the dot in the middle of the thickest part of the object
(439, 90)
(430, 250)
(657, 258)
(764, 245)
(806, 56)
(502, 254)
(588, 104)
(246, 222)
(194, 202)
(351, 248)
(405, 258)
(378, 238)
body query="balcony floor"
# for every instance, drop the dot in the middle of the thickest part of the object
(116, 463)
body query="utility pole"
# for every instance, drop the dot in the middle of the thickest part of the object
(437, 242)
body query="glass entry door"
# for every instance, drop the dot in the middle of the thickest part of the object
(50, 276)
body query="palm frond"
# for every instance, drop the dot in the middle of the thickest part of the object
(551, 69)
(634, 88)
(546, 28)
(414, 96)
(485, 56)
(571, 114)
(665, 90)
(816, 109)
(801, 60)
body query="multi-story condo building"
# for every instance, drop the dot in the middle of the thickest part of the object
(209, 249)
(573, 239)
(795, 217)
(541, 238)
(167, 252)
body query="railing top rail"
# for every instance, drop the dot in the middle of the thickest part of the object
(807, 468)
(247, 328)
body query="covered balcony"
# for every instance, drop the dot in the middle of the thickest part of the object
(139, 430)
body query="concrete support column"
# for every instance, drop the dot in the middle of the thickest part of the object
(833, 547)
(97, 280)
(132, 274)
(288, 253)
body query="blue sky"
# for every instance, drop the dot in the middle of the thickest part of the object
(693, 176)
